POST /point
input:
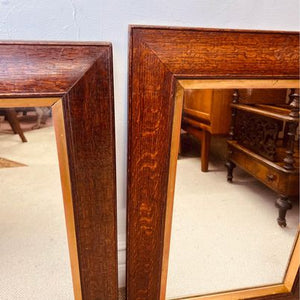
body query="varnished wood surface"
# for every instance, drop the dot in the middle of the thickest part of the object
(44, 69)
(283, 181)
(293, 295)
(81, 74)
(59, 127)
(229, 83)
(262, 96)
(265, 111)
(158, 57)
(277, 164)
(211, 107)
(89, 121)
(177, 116)
(234, 51)
(28, 102)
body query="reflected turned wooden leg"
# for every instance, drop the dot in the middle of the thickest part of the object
(230, 166)
(205, 145)
(11, 117)
(283, 204)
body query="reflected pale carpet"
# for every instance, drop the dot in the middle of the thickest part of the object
(33, 243)
(225, 236)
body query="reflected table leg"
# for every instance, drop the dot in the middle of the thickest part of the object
(283, 204)
(11, 117)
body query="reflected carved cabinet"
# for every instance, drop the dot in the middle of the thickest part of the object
(263, 141)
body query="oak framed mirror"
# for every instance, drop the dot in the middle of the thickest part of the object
(75, 82)
(167, 66)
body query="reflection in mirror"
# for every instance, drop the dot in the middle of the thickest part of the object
(33, 241)
(224, 233)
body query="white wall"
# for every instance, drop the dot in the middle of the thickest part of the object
(99, 20)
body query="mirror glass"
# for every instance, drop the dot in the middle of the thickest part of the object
(33, 240)
(237, 167)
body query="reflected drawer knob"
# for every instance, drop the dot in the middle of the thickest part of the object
(271, 177)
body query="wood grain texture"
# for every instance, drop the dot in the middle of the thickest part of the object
(49, 69)
(82, 75)
(90, 137)
(211, 52)
(158, 58)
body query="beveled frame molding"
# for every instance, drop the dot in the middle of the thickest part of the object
(160, 59)
(76, 79)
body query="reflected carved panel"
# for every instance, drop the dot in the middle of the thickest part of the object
(258, 133)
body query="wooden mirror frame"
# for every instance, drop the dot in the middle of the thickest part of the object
(76, 79)
(159, 58)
